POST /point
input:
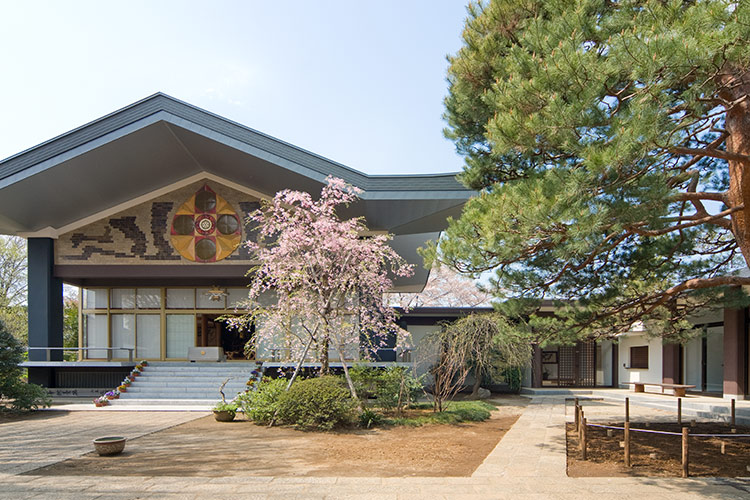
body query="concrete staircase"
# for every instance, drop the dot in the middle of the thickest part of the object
(186, 383)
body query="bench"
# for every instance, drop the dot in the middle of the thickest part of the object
(678, 389)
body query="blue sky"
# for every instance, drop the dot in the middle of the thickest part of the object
(361, 83)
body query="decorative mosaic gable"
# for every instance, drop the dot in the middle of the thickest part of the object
(197, 224)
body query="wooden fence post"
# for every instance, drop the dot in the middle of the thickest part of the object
(627, 409)
(583, 441)
(580, 426)
(679, 412)
(576, 413)
(627, 444)
(733, 412)
(685, 452)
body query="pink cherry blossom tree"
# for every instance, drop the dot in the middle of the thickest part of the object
(320, 280)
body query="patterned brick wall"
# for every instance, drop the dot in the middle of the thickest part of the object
(141, 234)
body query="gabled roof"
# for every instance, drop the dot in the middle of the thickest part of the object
(160, 140)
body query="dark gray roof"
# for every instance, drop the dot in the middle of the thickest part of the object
(160, 141)
(178, 109)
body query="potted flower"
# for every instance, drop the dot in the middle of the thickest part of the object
(143, 363)
(112, 395)
(225, 412)
(122, 388)
(127, 381)
(101, 401)
(136, 371)
(139, 367)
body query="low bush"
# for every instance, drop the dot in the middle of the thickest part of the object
(317, 403)
(261, 404)
(368, 418)
(455, 412)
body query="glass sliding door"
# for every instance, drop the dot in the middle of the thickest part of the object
(149, 336)
(180, 335)
(123, 335)
(95, 335)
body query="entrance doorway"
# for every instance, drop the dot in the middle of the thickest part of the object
(210, 332)
(569, 366)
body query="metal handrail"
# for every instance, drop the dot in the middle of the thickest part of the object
(108, 349)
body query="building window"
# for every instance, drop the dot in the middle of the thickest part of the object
(639, 357)
(148, 298)
(181, 298)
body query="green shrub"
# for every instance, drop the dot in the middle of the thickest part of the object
(368, 418)
(512, 377)
(397, 387)
(19, 395)
(393, 387)
(317, 403)
(230, 407)
(260, 405)
(365, 380)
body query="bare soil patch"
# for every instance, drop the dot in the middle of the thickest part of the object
(205, 447)
(658, 455)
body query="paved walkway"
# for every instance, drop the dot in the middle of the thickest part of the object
(52, 436)
(528, 463)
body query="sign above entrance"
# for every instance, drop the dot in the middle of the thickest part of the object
(206, 228)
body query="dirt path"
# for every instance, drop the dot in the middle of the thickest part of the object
(205, 447)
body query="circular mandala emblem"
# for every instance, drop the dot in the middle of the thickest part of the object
(206, 228)
(205, 224)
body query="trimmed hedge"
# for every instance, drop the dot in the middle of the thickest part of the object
(317, 403)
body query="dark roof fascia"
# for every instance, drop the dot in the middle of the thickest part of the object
(442, 311)
(192, 117)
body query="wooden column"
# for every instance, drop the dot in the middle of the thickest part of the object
(670, 368)
(615, 365)
(536, 366)
(735, 353)
(204, 330)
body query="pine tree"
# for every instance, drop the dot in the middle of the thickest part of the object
(610, 143)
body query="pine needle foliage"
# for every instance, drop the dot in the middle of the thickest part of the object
(609, 142)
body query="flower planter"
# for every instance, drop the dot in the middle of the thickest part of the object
(224, 416)
(111, 445)
(99, 405)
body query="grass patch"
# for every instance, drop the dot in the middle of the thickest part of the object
(456, 412)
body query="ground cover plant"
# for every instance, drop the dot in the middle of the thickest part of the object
(454, 412)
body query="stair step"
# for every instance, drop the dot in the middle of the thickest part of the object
(161, 383)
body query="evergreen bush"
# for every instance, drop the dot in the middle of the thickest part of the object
(322, 403)
(260, 405)
(16, 395)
